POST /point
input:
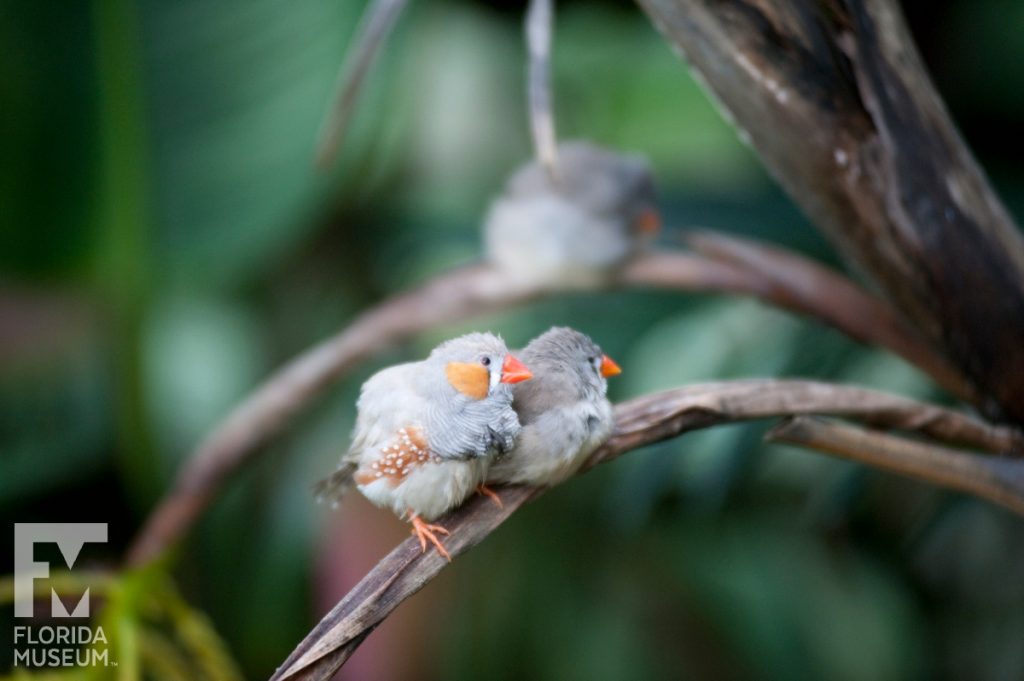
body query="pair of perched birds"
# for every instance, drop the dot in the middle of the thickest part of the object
(430, 433)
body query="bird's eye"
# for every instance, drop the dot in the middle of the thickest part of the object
(486, 361)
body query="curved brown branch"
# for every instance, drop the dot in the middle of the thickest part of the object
(662, 415)
(835, 99)
(479, 289)
(639, 422)
(1000, 481)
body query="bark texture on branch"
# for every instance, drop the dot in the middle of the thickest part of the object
(836, 101)
(642, 421)
(998, 480)
(785, 280)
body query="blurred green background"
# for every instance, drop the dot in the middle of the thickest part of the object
(165, 243)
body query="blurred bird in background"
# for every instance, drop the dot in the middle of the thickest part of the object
(576, 228)
(570, 217)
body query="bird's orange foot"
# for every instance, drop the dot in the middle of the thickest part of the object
(488, 492)
(425, 531)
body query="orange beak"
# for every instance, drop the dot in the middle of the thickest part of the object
(648, 222)
(609, 367)
(514, 371)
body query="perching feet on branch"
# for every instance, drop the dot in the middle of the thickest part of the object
(490, 494)
(425, 532)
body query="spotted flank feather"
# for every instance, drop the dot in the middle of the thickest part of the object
(397, 459)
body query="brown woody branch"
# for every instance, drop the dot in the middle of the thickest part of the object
(1000, 481)
(838, 105)
(640, 422)
(805, 288)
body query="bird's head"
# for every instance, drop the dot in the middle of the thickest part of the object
(567, 352)
(479, 365)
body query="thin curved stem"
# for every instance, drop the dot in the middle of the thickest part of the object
(1000, 481)
(539, 20)
(378, 20)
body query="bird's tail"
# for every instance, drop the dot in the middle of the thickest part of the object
(332, 488)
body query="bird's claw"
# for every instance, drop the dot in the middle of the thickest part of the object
(425, 532)
(488, 492)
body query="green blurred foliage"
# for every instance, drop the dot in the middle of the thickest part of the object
(165, 242)
(146, 625)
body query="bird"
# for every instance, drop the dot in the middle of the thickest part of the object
(426, 431)
(576, 228)
(564, 411)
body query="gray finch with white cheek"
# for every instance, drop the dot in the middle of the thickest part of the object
(426, 431)
(563, 410)
(578, 230)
